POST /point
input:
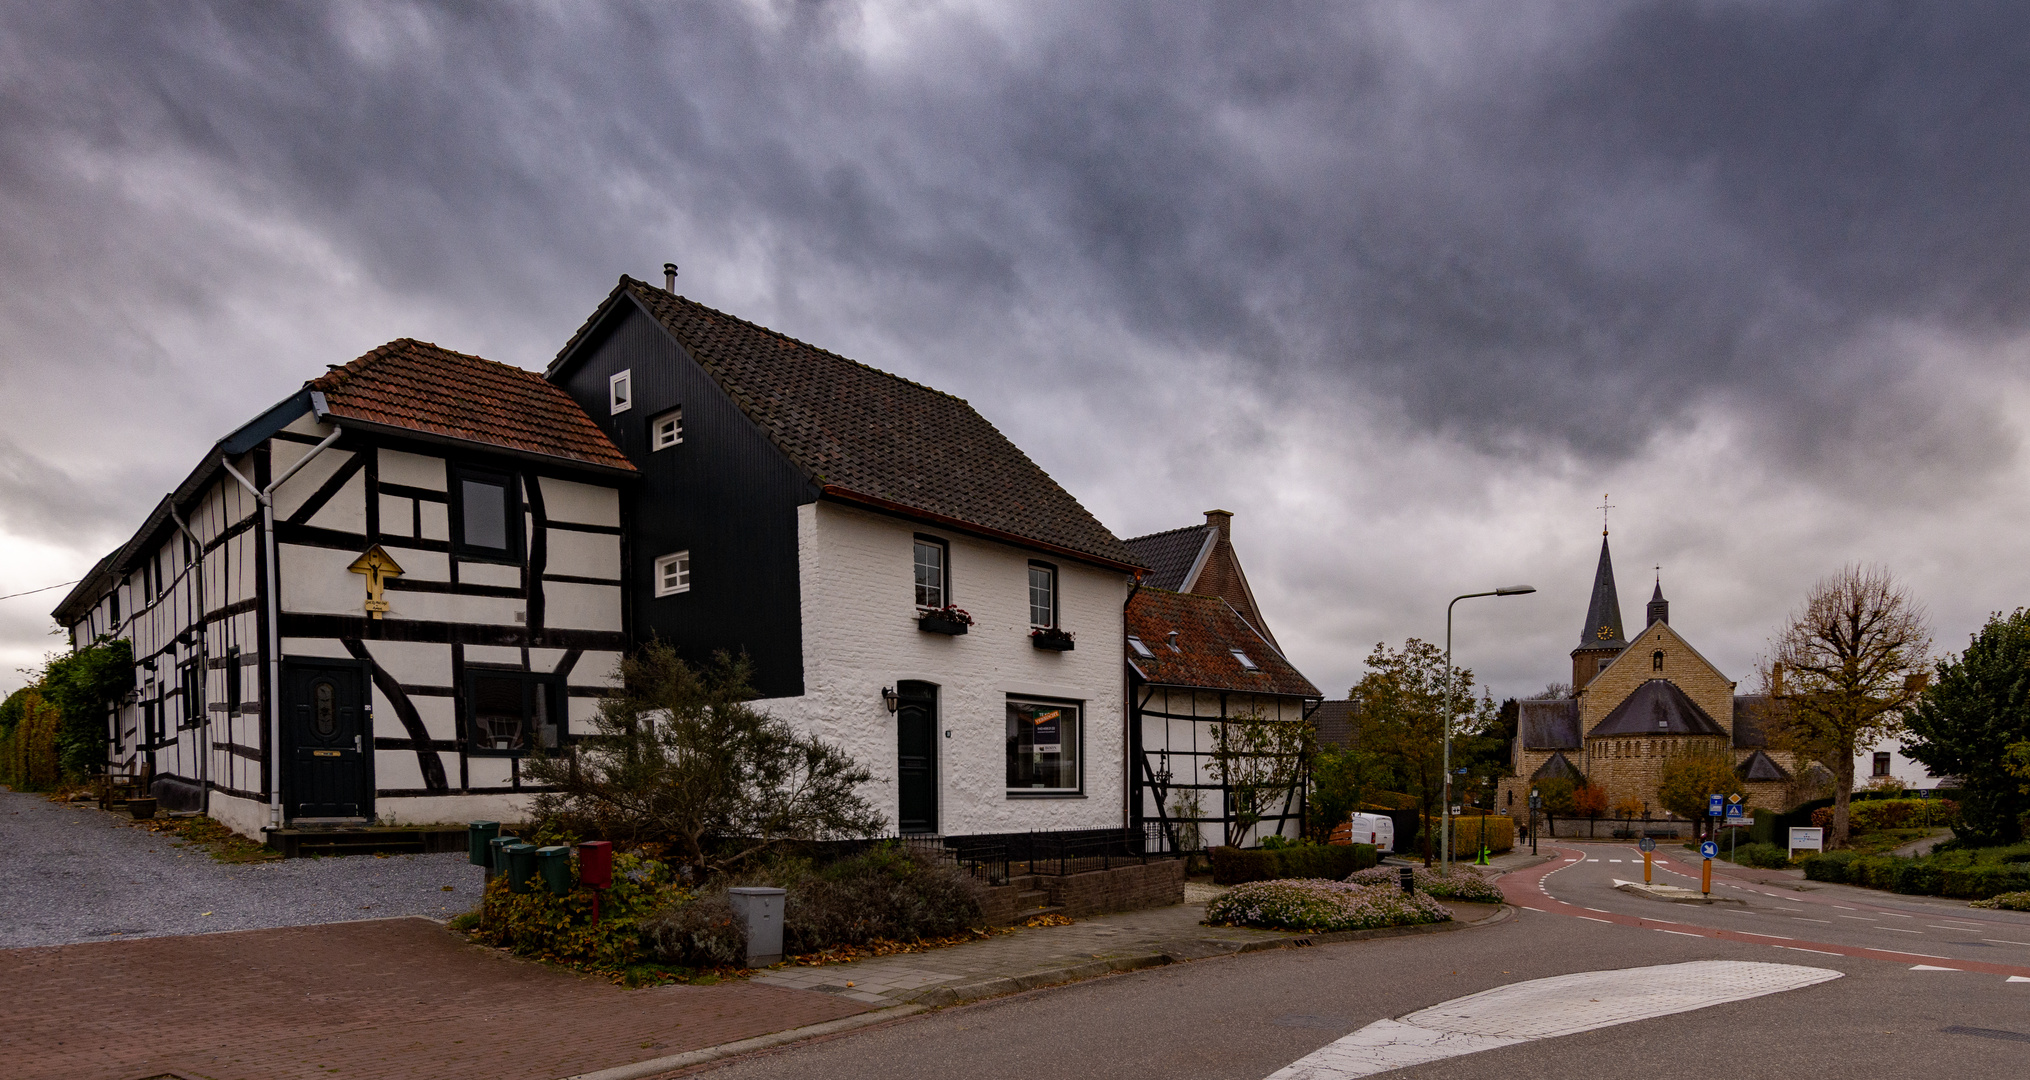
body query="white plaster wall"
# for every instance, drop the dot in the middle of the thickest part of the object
(413, 663)
(300, 487)
(398, 516)
(417, 564)
(243, 816)
(411, 470)
(317, 581)
(501, 575)
(451, 809)
(347, 509)
(583, 554)
(860, 634)
(1913, 774)
(565, 500)
(571, 606)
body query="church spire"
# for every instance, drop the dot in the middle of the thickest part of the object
(1659, 608)
(1603, 616)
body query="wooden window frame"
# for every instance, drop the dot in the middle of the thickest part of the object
(511, 506)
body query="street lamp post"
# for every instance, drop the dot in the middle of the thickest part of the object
(1445, 839)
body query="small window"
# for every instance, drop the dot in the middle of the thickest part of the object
(1881, 763)
(666, 430)
(486, 515)
(1656, 660)
(1245, 661)
(1135, 643)
(191, 686)
(933, 585)
(673, 574)
(1042, 595)
(620, 392)
(1043, 747)
(512, 711)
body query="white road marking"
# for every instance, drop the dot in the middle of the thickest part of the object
(1893, 915)
(1679, 933)
(1799, 948)
(1801, 918)
(1778, 937)
(1935, 926)
(1546, 1009)
(1844, 907)
(1592, 860)
(1614, 860)
(2005, 941)
(1930, 967)
(1601, 910)
(1863, 918)
(1898, 930)
(1590, 918)
(2019, 978)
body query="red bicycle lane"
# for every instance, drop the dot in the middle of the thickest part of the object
(1527, 889)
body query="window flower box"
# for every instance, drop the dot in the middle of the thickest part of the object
(950, 620)
(1051, 638)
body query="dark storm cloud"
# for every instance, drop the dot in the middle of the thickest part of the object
(1547, 228)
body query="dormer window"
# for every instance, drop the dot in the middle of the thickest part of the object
(1246, 662)
(666, 430)
(620, 391)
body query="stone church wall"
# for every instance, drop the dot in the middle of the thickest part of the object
(1699, 680)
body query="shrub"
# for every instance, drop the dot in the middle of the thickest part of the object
(1765, 856)
(2012, 901)
(1831, 866)
(1463, 883)
(701, 933)
(1331, 862)
(1590, 801)
(889, 892)
(1321, 906)
(559, 929)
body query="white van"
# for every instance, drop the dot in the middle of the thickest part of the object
(1376, 829)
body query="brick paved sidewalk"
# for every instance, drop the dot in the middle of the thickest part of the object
(353, 1001)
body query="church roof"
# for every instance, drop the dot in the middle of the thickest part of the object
(1760, 766)
(1750, 730)
(1603, 614)
(1548, 724)
(1558, 768)
(1657, 707)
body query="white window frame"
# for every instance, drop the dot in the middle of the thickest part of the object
(658, 439)
(1141, 648)
(620, 391)
(1049, 572)
(680, 561)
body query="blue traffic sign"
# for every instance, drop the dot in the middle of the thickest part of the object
(1714, 803)
(1734, 811)
(1710, 849)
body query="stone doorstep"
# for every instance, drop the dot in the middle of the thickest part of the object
(941, 997)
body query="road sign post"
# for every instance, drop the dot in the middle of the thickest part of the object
(1707, 850)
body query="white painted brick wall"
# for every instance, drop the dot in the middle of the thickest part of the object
(860, 634)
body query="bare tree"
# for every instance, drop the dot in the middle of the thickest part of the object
(1842, 672)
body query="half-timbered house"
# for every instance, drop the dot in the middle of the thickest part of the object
(906, 582)
(372, 601)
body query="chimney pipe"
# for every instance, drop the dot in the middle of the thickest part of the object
(670, 277)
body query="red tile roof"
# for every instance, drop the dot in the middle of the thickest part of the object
(1208, 631)
(420, 387)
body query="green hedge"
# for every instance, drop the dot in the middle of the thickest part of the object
(1332, 862)
(1919, 877)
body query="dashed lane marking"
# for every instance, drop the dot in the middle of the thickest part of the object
(1546, 1009)
(2019, 978)
(1898, 930)
(2005, 941)
(1590, 918)
(1930, 967)
(1863, 918)
(1801, 918)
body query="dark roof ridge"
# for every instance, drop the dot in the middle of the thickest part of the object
(331, 379)
(1200, 527)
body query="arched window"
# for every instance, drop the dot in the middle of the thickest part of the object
(1656, 660)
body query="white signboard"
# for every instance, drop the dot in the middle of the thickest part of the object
(1807, 839)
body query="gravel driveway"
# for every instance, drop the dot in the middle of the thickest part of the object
(72, 872)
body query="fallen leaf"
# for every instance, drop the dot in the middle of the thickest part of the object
(203, 913)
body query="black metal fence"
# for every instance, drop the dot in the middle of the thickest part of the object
(993, 858)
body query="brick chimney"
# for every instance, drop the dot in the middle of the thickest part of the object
(1223, 520)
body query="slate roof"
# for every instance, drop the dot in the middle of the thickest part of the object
(1657, 707)
(1170, 555)
(1208, 630)
(1750, 730)
(418, 386)
(1760, 766)
(1559, 767)
(1548, 724)
(1334, 723)
(865, 435)
(1604, 609)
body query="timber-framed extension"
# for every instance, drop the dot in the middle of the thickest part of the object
(373, 601)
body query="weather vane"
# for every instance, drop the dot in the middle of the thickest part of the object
(1604, 507)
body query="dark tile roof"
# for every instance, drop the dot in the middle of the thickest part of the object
(1559, 767)
(1334, 722)
(1760, 766)
(1548, 724)
(864, 434)
(1657, 707)
(420, 387)
(1169, 555)
(1208, 630)
(1603, 611)
(1750, 728)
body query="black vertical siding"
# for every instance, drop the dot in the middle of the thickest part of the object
(725, 494)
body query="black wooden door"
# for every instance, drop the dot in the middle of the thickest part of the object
(916, 758)
(325, 732)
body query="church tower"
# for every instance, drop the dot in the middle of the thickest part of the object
(1602, 638)
(1659, 608)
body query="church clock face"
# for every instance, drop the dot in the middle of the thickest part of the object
(1605, 633)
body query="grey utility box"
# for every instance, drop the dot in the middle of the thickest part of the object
(759, 909)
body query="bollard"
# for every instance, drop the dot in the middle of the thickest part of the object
(477, 835)
(1409, 879)
(553, 865)
(759, 909)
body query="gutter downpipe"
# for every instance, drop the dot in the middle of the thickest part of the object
(196, 570)
(266, 497)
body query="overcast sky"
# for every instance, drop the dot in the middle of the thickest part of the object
(1407, 287)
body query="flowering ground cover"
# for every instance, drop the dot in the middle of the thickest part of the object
(1321, 906)
(1463, 883)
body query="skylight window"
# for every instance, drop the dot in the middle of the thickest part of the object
(1135, 643)
(1245, 660)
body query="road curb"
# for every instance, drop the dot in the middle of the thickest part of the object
(942, 997)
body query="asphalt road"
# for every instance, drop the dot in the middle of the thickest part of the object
(1246, 1017)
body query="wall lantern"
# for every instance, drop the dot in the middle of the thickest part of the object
(889, 698)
